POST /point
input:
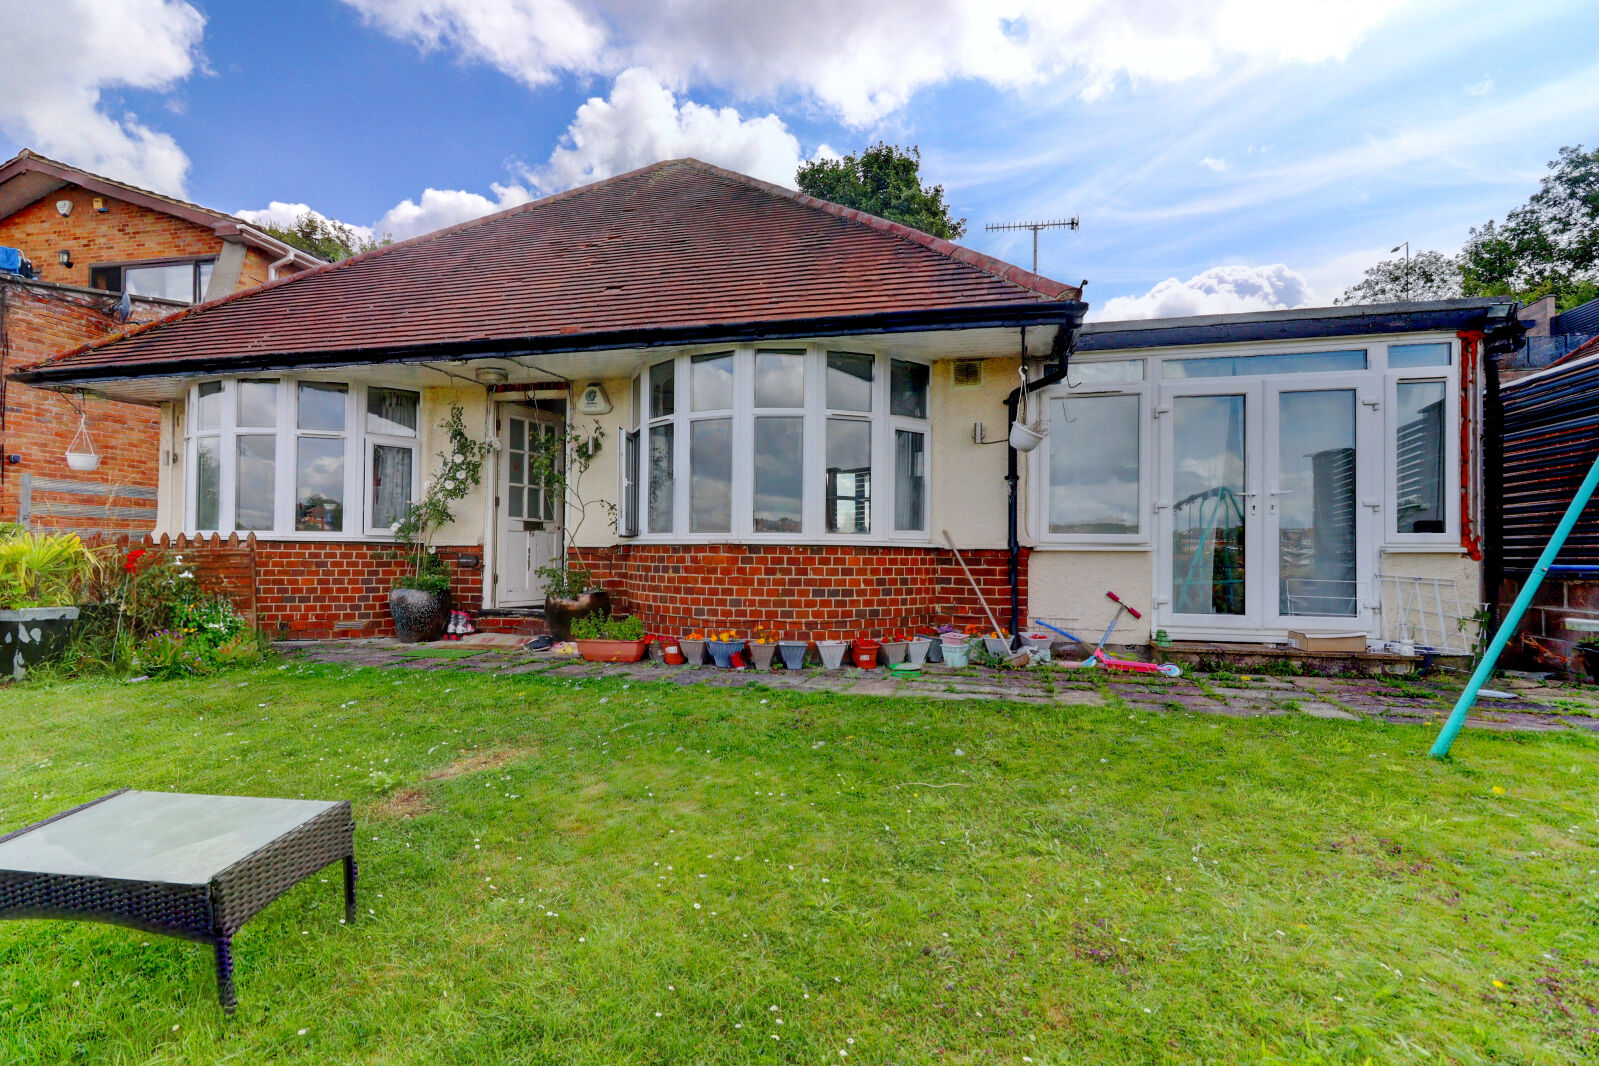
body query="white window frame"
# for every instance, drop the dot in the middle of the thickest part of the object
(1449, 539)
(813, 436)
(1038, 461)
(286, 434)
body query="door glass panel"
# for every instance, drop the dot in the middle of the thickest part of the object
(779, 474)
(1208, 550)
(1421, 450)
(710, 475)
(1315, 501)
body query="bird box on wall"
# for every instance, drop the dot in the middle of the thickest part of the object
(593, 400)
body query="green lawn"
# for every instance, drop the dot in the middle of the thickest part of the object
(605, 872)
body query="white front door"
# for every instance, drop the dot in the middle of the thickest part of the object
(528, 517)
(1267, 505)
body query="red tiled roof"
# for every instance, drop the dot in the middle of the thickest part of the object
(674, 246)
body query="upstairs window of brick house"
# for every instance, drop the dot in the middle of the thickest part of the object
(183, 280)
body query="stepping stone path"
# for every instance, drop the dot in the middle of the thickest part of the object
(1537, 706)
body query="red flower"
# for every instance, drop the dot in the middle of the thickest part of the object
(132, 562)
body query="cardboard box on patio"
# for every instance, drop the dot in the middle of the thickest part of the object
(1327, 641)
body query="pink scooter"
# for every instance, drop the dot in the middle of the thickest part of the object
(1132, 665)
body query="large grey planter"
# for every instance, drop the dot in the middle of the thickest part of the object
(33, 635)
(560, 612)
(419, 615)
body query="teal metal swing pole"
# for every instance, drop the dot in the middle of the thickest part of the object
(1485, 669)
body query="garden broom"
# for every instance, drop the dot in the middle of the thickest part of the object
(977, 591)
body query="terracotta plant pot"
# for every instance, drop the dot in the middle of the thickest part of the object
(33, 635)
(793, 652)
(762, 654)
(560, 612)
(419, 615)
(693, 650)
(671, 652)
(832, 653)
(611, 651)
(894, 651)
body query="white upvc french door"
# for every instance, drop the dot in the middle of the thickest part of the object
(1266, 506)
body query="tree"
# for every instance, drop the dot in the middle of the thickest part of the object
(1427, 276)
(323, 237)
(1548, 245)
(886, 181)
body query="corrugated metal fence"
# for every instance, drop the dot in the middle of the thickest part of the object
(1551, 434)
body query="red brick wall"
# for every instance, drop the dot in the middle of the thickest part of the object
(37, 322)
(810, 591)
(126, 231)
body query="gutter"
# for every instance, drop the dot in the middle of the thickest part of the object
(998, 316)
(288, 252)
(1060, 354)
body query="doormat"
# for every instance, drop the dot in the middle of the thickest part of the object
(492, 640)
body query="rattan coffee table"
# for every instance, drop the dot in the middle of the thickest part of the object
(190, 866)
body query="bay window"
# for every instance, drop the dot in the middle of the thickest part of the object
(287, 456)
(783, 441)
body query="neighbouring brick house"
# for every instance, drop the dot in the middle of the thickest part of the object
(800, 403)
(89, 239)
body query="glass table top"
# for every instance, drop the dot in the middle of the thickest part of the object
(173, 837)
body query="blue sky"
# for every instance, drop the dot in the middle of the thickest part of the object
(1228, 156)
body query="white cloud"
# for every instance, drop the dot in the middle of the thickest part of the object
(1481, 88)
(1217, 291)
(642, 122)
(57, 60)
(863, 61)
(284, 215)
(438, 208)
(1215, 163)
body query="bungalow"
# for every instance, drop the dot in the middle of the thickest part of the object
(802, 406)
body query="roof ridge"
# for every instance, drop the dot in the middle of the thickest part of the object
(316, 271)
(988, 264)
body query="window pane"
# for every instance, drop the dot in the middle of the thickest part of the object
(173, 281)
(910, 480)
(907, 389)
(849, 381)
(1292, 363)
(1094, 465)
(662, 482)
(1421, 451)
(321, 406)
(257, 478)
(258, 404)
(663, 389)
(391, 411)
(1316, 503)
(1401, 356)
(1114, 371)
(779, 474)
(849, 475)
(319, 484)
(710, 472)
(391, 484)
(779, 379)
(207, 483)
(710, 382)
(208, 406)
(205, 278)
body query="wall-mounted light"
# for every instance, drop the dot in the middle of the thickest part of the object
(65, 257)
(491, 375)
(64, 207)
(99, 204)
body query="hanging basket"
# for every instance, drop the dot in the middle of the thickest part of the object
(1024, 437)
(81, 455)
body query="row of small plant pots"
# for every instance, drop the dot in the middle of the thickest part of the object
(727, 651)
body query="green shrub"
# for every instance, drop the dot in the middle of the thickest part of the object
(598, 627)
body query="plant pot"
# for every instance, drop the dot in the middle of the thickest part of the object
(722, 651)
(1039, 643)
(832, 653)
(33, 635)
(935, 650)
(1588, 656)
(611, 651)
(1024, 438)
(693, 650)
(657, 651)
(998, 647)
(916, 651)
(83, 461)
(762, 655)
(793, 652)
(957, 655)
(419, 615)
(954, 638)
(863, 653)
(894, 651)
(561, 611)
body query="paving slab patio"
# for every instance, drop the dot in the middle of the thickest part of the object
(1537, 706)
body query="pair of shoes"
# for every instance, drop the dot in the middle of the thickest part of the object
(460, 625)
(540, 643)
